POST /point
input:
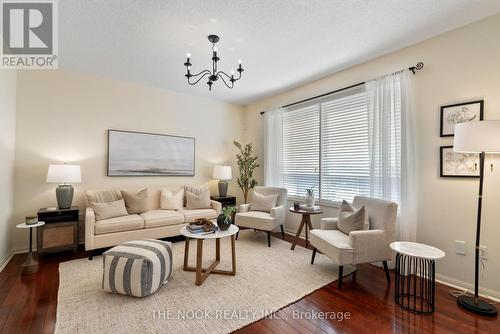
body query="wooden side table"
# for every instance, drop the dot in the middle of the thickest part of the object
(202, 273)
(306, 220)
(30, 266)
(225, 200)
(60, 231)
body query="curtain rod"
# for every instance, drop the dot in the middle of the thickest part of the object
(413, 69)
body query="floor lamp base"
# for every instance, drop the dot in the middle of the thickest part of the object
(477, 306)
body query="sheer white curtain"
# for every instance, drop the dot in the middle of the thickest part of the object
(273, 148)
(391, 148)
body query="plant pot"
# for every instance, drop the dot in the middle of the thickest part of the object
(310, 200)
(223, 222)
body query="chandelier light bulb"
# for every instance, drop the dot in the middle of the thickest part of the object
(188, 55)
(215, 49)
(239, 61)
(232, 72)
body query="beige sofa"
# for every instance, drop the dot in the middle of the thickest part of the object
(155, 223)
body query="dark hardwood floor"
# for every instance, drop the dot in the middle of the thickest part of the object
(28, 305)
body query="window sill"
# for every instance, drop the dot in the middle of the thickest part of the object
(335, 205)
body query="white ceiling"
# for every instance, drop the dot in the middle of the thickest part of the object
(282, 43)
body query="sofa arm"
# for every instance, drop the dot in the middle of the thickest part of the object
(329, 223)
(89, 228)
(217, 206)
(244, 207)
(279, 214)
(370, 246)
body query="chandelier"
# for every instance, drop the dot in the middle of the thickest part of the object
(215, 73)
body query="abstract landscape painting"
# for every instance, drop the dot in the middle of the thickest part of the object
(146, 154)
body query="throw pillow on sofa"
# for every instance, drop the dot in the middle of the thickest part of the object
(170, 200)
(262, 202)
(352, 219)
(201, 201)
(108, 210)
(136, 203)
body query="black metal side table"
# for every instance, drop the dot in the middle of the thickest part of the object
(415, 276)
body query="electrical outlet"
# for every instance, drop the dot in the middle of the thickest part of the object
(483, 252)
(460, 247)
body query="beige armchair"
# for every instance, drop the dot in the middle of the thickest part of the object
(365, 246)
(264, 221)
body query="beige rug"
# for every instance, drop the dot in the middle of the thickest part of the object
(266, 280)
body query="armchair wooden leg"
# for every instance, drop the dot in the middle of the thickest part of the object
(282, 233)
(387, 275)
(269, 238)
(341, 274)
(91, 255)
(313, 255)
(237, 233)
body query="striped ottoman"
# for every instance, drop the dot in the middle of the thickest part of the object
(137, 268)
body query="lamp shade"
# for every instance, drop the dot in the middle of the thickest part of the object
(222, 173)
(476, 137)
(64, 174)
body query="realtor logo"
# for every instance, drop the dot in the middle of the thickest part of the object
(29, 34)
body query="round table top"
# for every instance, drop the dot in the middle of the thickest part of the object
(307, 212)
(233, 229)
(416, 249)
(24, 225)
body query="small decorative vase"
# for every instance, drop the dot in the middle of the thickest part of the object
(223, 222)
(310, 200)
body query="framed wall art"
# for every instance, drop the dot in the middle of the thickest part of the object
(455, 164)
(459, 113)
(148, 154)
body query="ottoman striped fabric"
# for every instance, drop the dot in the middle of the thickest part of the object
(137, 268)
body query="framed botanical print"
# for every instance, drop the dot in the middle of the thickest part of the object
(455, 164)
(459, 113)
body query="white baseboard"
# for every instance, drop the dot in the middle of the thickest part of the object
(4, 262)
(460, 285)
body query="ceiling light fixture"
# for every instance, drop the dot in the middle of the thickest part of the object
(215, 73)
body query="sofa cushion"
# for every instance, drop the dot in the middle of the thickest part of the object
(136, 202)
(170, 200)
(157, 218)
(119, 224)
(109, 209)
(201, 201)
(192, 215)
(256, 219)
(102, 196)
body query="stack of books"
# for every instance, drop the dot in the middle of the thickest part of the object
(310, 208)
(200, 229)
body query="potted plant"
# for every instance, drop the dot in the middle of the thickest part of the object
(247, 162)
(225, 219)
(310, 196)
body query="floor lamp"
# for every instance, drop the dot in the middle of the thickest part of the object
(477, 137)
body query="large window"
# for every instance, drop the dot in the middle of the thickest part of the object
(326, 146)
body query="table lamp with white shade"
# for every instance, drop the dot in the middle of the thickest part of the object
(477, 137)
(64, 174)
(222, 173)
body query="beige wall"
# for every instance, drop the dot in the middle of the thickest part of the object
(64, 117)
(7, 146)
(460, 65)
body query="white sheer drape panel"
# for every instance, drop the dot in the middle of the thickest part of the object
(391, 147)
(273, 148)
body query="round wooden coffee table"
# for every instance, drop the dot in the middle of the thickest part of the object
(202, 273)
(306, 220)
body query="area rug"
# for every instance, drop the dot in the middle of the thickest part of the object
(267, 279)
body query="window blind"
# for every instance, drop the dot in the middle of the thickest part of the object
(345, 159)
(301, 149)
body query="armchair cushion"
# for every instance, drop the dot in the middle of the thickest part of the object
(334, 244)
(263, 202)
(352, 219)
(256, 219)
